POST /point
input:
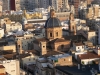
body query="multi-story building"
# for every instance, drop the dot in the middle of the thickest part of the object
(13, 27)
(6, 4)
(11, 5)
(11, 65)
(29, 4)
(51, 62)
(1, 32)
(2, 70)
(15, 5)
(43, 4)
(25, 42)
(59, 5)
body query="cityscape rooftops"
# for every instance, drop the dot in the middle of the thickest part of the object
(73, 70)
(59, 56)
(89, 55)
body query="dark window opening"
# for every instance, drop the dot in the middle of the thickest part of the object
(73, 27)
(43, 46)
(56, 33)
(50, 34)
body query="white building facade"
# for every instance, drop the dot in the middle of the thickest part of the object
(13, 27)
(12, 66)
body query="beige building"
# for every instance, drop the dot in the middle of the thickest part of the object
(29, 4)
(17, 5)
(59, 5)
(9, 47)
(6, 5)
(1, 32)
(42, 64)
(0, 8)
(93, 12)
(53, 39)
(2, 70)
(13, 26)
(11, 66)
(43, 3)
(92, 36)
(25, 42)
(60, 60)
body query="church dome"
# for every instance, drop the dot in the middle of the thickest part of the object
(96, 2)
(52, 21)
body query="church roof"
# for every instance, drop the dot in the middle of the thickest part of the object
(52, 22)
(96, 2)
(59, 40)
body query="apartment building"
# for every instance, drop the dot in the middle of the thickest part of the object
(43, 4)
(59, 5)
(6, 4)
(13, 26)
(2, 70)
(29, 4)
(11, 65)
(1, 32)
(45, 66)
(11, 5)
(15, 5)
(25, 42)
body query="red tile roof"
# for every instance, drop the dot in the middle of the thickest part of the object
(2, 74)
(89, 55)
(1, 66)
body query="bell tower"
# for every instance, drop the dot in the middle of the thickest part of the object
(72, 25)
(43, 47)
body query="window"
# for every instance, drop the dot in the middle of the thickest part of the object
(69, 59)
(73, 27)
(78, 47)
(19, 46)
(50, 34)
(43, 46)
(56, 33)
(12, 70)
(64, 59)
(86, 46)
(33, 58)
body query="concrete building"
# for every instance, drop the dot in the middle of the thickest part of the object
(15, 5)
(92, 36)
(78, 69)
(60, 59)
(11, 5)
(59, 5)
(6, 4)
(2, 70)
(13, 27)
(44, 4)
(1, 32)
(29, 4)
(25, 42)
(11, 66)
(42, 64)
(0, 8)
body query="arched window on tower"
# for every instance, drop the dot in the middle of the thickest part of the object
(73, 28)
(50, 34)
(57, 34)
